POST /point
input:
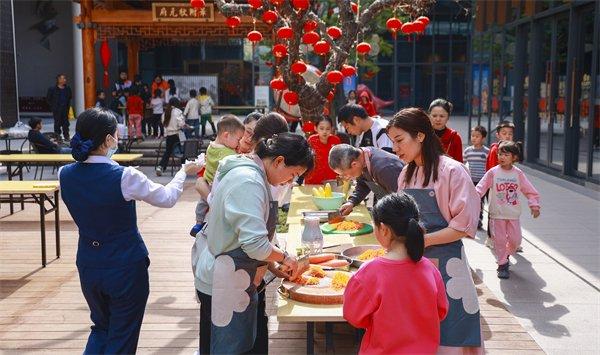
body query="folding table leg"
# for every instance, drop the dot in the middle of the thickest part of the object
(10, 197)
(57, 223)
(310, 338)
(329, 336)
(43, 227)
(20, 167)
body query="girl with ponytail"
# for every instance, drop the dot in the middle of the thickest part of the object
(399, 298)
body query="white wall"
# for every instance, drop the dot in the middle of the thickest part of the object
(38, 67)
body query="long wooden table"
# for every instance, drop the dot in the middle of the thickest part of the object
(290, 311)
(36, 192)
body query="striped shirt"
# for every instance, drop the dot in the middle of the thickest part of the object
(476, 159)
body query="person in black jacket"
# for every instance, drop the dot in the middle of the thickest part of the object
(42, 144)
(59, 98)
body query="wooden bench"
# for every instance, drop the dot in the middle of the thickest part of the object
(36, 192)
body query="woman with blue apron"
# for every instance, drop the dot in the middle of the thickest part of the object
(112, 259)
(236, 244)
(449, 207)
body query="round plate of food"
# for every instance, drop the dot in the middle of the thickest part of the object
(348, 226)
(317, 286)
(363, 253)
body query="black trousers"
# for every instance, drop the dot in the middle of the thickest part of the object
(172, 141)
(156, 125)
(261, 343)
(61, 121)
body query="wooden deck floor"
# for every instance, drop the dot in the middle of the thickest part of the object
(43, 310)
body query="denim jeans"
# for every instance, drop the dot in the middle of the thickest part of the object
(195, 124)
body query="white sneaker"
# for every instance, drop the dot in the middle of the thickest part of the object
(489, 243)
(159, 171)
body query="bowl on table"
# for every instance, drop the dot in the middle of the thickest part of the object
(354, 252)
(329, 203)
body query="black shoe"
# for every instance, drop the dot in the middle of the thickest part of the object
(503, 272)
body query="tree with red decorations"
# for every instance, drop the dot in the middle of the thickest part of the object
(336, 30)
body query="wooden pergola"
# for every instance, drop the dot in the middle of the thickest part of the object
(144, 22)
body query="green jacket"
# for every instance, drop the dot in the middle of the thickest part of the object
(238, 215)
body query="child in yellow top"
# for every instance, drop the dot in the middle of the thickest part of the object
(229, 132)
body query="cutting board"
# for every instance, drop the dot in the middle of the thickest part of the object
(317, 294)
(328, 229)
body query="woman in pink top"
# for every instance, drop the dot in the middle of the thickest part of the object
(506, 182)
(449, 207)
(399, 298)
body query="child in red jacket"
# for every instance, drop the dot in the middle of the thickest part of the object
(322, 142)
(135, 111)
(399, 298)
(439, 113)
(504, 132)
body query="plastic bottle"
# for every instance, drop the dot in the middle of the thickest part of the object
(312, 237)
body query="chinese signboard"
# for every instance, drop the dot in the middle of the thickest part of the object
(181, 12)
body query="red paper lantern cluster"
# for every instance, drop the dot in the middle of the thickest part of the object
(298, 67)
(310, 37)
(335, 77)
(256, 4)
(197, 4)
(254, 36)
(348, 70)
(393, 25)
(270, 17)
(354, 7)
(280, 51)
(233, 22)
(301, 5)
(334, 32)
(321, 47)
(363, 48)
(285, 33)
(291, 98)
(310, 26)
(417, 26)
(278, 84)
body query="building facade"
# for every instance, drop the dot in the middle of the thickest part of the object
(430, 65)
(536, 63)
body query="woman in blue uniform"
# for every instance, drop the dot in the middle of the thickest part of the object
(112, 259)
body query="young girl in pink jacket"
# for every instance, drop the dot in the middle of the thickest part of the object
(507, 182)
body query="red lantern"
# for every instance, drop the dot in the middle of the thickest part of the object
(334, 32)
(348, 70)
(335, 77)
(310, 38)
(285, 33)
(363, 48)
(418, 27)
(407, 28)
(300, 4)
(310, 26)
(277, 2)
(256, 4)
(105, 57)
(278, 84)
(330, 96)
(424, 20)
(270, 17)
(280, 51)
(321, 48)
(299, 67)
(197, 4)
(291, 98)
(393, 25)
(354, 7)
(233, 22)
(254, 37)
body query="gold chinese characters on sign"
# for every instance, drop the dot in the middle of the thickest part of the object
(181, 12)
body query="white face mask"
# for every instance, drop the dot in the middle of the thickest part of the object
(112, 150)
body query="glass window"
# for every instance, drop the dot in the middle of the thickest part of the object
(586, 124)
(385, 82)
(508, 87)
(404, 86)
(441, 81)
(457, 91)
(424, 48)
(496, 92)
(545, 89)
(404, 50)
(423, 85)
(558, 124)
(526, 102)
